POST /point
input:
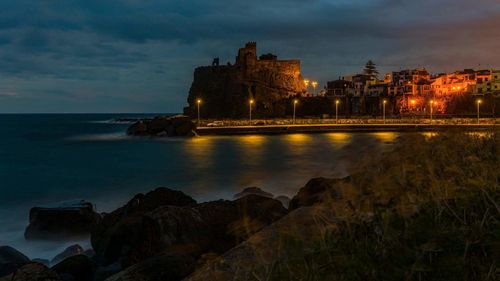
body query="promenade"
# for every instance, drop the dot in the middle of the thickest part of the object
(269, 127)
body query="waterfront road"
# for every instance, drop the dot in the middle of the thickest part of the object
(324, 128)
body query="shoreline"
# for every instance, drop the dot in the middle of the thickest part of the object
(341, 128)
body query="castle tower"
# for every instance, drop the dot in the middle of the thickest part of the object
(247, 56)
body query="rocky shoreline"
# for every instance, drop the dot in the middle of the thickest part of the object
(163, 234)
(426, 210)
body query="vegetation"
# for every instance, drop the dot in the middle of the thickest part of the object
(370, 69)
(427, 210)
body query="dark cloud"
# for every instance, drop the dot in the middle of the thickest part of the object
(138, 55)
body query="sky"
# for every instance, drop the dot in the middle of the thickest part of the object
(92, 56)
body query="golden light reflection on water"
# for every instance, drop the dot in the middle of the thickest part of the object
(429, 135)
(200, 150)
(252, 148)
(339, 138)
(298, 143)
(385, 136)
(479, 134)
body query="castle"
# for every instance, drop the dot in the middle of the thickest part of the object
(225, 90)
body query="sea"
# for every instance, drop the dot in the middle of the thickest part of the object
(50, 158)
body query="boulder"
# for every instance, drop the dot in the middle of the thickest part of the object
(253, 190)
(186, 230)
(160, 268)
(317, 190)
(72, 250)
(253, 258)
(10, 260)
(61, 220)
(32, 272)
(124, 226)
(78, 268)
(42, 261)
(139, 128)
(285, 200)
(178, 125)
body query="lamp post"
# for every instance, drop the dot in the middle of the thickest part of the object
(306, 82)
(294, 105)
(337, 111)
(432, 105)
(479, 101)
(198, 102)
(383, 108)
(250, 103)
(314, 84)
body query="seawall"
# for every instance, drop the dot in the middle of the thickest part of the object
(325, 128)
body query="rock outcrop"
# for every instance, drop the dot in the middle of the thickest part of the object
(123, 227)
(316, 190)
(10, 260)
(225, 90)
(32, 272)
(171, 126)
(66, 219)
(158, 268)
(168, 223)
(77, 268)
(70, 251)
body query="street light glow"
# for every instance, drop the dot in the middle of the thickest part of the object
(198, 101)
(251, 101)
(337, 102)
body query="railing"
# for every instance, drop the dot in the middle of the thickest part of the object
(359, 120)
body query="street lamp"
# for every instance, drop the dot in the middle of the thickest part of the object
(432, 106)
(295, 102)
(384, 102)
(337, 111)
(306, 82)
(250, 103)
(479, 101)
(198, 102)
(314, 84)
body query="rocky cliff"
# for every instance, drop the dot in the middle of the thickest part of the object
(225, 90)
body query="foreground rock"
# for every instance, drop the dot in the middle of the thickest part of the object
(61, 220)
(68, 252)
(143, 229)
(157, 268)
(253, 191)
(10, 260)
(32, 272)
(251, 259)
(178, 125)
(123, 227)
(77, 268)
(318, 190)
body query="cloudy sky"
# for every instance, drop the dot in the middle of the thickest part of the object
(139, 55)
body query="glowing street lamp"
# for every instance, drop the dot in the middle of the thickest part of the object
(479, 101)
(337, 111)
(295, 102)
(314, 84)
(413, 104)
(198, 102)
(306, 82)
(250, 103)
(384, 103)
(432, 107)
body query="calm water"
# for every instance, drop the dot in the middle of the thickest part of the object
(51, 158)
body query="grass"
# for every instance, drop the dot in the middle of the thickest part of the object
(427, 210)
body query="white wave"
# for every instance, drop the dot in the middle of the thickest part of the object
(119, 136)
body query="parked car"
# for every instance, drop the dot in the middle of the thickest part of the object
(216, 124)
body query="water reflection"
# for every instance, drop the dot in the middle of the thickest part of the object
(298, 144)
(385, 136)
(339, 138)
(200, 151)
(252, 148)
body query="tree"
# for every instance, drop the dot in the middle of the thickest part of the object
(370, 69)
